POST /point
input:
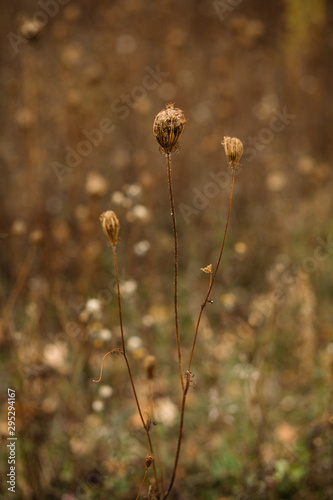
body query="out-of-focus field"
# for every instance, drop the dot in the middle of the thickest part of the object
(78, 99)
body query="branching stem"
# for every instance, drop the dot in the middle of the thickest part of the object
(188, 374)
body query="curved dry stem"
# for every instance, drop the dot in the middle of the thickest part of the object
(119, 351)
(102, 363)
(174, 227)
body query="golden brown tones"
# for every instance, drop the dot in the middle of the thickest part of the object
(233, 148)
(168, 127)
(150, 366)
(110, 225)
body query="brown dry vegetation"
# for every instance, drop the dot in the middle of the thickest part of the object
(259, 422)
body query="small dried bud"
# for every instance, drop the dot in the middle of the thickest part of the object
(233, 148)
(110, 225)
(149, 460)
(207, 269)
(150, 367)
(168, 127)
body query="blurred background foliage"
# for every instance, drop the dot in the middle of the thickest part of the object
(81, 83)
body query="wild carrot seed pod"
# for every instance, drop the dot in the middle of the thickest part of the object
(168, 127)
(110, 225)
(150, 367)
(233, 148)
(149, 460)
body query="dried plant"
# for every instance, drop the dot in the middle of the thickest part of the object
(168, 128)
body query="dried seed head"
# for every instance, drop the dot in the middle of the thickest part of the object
(233, 148)
(110, 225)
(149, 460)
(168, 127)
(150, 367)
(207, 269)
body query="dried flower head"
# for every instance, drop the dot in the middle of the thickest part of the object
(168, 127)
(149, 460)
(233, 148)
(150, 367)
(207, 269)
(110, 225)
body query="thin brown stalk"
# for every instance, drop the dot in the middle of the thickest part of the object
(143, 480)
(188, 374)
(174, 227)
(215, 272)
(145, 426)
(157, 440)
(180, 435)
(118, 296)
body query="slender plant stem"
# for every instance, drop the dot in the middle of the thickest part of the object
(188, 374)
(145, 426)
(180, 435)
(118, 295)
(143, 480)
(157, 439)
(215, 272)
(174, 227)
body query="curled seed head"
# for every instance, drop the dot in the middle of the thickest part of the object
(233, 148)
(207, 269)
(168, 127)
(150, 367)
(110, 225)
(149, 460)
